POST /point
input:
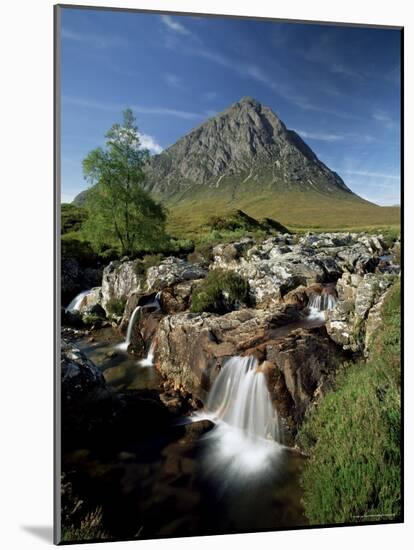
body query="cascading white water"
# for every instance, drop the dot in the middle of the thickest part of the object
(240, 398)
(322, 302)
(77, 301)
(156, 303)
(148, 361)
(245, 439)
(318, 304)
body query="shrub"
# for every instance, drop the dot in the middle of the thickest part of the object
(221, 291)
(177, 246)
(353, 436)
(116, 306)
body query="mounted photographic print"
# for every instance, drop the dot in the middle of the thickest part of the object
(228, 261)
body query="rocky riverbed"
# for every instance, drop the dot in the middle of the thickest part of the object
(138, 362)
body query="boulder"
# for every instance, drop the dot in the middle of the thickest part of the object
(192, 347)
(81, 379)
(346, 323)
(119, 280)
(86, 402)
(299, 363)
(274, 269)
(172, 271)
(303, 362)
(226, 254)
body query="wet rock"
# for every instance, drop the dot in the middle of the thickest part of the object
(194, 430)
(302, 361)
(86, 400)
(80, 377)
(192, 347)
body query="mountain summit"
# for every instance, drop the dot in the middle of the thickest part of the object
(243, 147)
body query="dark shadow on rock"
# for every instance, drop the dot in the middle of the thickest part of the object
(43, 532)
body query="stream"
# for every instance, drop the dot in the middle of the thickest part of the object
(237, 476)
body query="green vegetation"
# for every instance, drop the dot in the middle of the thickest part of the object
(353, 436)
(72, 246)
(119, 210)
(90, 528)
(72, 217)
(236, 220)
(116, 306)
(299, 211)
(221, 291)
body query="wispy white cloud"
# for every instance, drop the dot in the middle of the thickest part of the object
(344, 70)
(94, 40)
(320, 136)
(330, 136)
(165, 111)
(150, 143)
(255, 72)
(368, 174)
(175, 25)
(113, 107)
(382, 116)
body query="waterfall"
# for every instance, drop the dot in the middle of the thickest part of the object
(245, 439)
(240, 398)
(77, 302)
(322, 302)
(318, 304)
(148, 361)
(135, 314)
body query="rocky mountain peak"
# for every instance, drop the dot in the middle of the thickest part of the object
(246, 142)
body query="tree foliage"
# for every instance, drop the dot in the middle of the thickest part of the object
(119, 209)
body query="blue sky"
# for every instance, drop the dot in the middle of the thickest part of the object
(338, 87)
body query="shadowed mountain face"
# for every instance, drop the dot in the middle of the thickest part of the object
(245, 147)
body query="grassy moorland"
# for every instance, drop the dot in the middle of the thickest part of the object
(299, 211)
(353, 436)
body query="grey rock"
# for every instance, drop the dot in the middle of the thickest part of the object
(347, 322)
(172, 271)
(119, 280)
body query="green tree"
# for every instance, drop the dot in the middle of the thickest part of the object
(119, 209)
